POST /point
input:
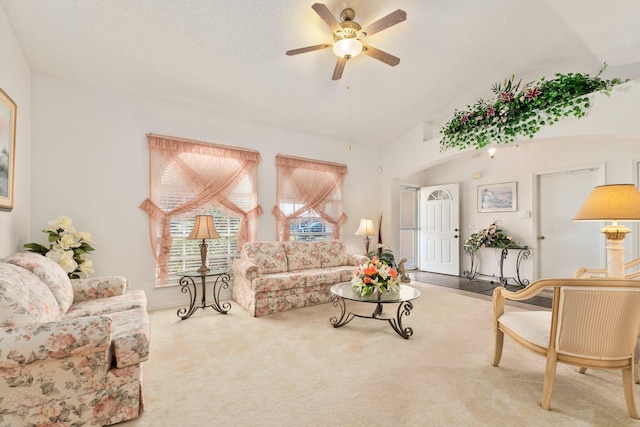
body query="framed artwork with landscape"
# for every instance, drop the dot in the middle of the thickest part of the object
(7, 149)
(497, 197)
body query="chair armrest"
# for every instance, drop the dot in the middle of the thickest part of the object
(500, 294)
(586, 273)
(98, 287)
(356, 259)
(245, 268)
(54, 340)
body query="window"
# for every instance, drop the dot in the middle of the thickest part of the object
(409, 224)
(189, 178)
(185, 253)
(309, 199)
(309, 226)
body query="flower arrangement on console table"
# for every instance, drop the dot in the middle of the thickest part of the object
(492, 237)
(522, 110)
(375, 276)
(67, 247)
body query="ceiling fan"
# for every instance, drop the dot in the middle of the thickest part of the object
(348, 36)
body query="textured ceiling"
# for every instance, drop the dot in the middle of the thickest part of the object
(229, 55)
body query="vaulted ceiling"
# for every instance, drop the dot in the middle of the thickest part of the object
(229, 56)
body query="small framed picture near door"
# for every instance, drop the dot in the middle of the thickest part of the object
(498, 197)
(7, 149)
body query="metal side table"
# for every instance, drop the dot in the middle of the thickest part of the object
(188, 284)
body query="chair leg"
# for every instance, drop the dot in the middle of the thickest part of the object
(627, 384)
(582, 370)
(549, 378)
(636, 361)
(497, 350)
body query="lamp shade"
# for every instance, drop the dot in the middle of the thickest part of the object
(366, 228)
(204, 228)
(615, 202)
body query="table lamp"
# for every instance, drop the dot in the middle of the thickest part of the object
(203, 229)
(366, 229)
(615, 202)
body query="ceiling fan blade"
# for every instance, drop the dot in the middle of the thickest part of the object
(327, 16)
(337, 72)
(385, 57)
(386, 22)
(308, 49)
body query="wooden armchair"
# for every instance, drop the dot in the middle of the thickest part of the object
(593, 323)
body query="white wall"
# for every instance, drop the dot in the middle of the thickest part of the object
(90, 162)
(15, 80)
(518, 164)
(609, 134)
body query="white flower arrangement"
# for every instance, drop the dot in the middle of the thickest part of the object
(374, 275)
(67, 247)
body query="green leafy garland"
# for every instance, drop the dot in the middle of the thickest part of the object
(522, 110)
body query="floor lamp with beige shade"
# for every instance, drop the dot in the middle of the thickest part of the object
(615, 202)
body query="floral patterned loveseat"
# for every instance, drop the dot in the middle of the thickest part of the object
(270, 277)
(71, 351)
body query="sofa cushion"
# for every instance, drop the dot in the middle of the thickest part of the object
(277, 281)
(88, 288)
(333, 253)
(268, 256)
(135, 298)
(24, 298)
(322, 276)
(302, 255)
(49, 272)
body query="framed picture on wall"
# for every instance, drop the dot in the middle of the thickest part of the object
(8, 110)
(498, 197)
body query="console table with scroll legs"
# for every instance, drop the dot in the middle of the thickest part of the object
(523, 253)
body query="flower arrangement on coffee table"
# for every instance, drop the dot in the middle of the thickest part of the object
(67, 247)
(375, 276)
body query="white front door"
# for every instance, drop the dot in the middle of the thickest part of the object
(440, 229)
(562, 244)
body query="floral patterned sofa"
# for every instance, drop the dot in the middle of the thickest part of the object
(71, 351)
(270, 277)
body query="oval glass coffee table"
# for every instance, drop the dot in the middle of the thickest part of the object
(344, 291)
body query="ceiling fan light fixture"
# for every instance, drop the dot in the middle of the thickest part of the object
(347, 47)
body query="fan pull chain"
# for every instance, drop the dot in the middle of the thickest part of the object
(349, 91)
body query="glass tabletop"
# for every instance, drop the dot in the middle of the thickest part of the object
(205, 274)
(345, 290)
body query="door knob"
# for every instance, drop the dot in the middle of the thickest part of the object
(540, 237)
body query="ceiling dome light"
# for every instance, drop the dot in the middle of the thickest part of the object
(347, 48)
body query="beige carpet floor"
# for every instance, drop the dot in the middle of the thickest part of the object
(295, 369)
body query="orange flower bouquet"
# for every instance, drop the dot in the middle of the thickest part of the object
(374, 275)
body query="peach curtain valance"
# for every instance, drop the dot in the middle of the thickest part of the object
(183, 145)
(187, 178)
(318, 165)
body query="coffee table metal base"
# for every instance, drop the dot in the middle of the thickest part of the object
(404, 309)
